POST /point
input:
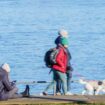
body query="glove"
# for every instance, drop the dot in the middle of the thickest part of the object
(69, 68)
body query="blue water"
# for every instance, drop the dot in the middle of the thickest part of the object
(29, 27)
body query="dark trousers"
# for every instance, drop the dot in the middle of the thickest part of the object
(11, 94)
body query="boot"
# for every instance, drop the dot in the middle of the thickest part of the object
(44, 93)
(26, 91)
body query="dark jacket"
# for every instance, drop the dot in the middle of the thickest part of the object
(5, 85)
(69, 56)
(69, 67)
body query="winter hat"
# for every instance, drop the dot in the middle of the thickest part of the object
(64, 41)
(6, 67)
(58, 40)
(63, 33)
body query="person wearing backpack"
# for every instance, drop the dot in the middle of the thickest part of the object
(59, 69)
(69, 69)
(63, 35)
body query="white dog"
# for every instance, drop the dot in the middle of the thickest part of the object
(92, 87)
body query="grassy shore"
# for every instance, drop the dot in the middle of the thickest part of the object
(57, 100)
(57, 104)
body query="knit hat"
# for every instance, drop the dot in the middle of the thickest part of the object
(63, 33)
(6, 67)
(64, 41)
(58, 40)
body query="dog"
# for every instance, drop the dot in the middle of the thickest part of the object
(92, 87)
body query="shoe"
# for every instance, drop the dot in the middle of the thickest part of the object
(68, 93)
(26, 91)
(44, 93)
(58, 94)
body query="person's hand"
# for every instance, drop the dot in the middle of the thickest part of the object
(69, 68)
(13, 83)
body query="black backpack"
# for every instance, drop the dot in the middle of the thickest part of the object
(50, 57)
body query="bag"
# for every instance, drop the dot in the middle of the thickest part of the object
(50, 57)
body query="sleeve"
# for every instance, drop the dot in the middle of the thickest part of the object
(70, 55)
(7, 84)
(59, 58)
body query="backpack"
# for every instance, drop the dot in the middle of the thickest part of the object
(50, 57)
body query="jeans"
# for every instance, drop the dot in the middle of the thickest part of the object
(58, 85)
(63, 79)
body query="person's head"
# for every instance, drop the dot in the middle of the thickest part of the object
(63, 33)
(6, 67)
(64, 42)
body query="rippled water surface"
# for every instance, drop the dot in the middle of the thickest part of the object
(29, 27)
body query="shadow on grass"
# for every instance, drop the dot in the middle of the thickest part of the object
(75, 101)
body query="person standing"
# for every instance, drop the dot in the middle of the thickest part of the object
(59, 69)
(69, 68)
(63, 39)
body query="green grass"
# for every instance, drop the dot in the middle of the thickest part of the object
(62, 104)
